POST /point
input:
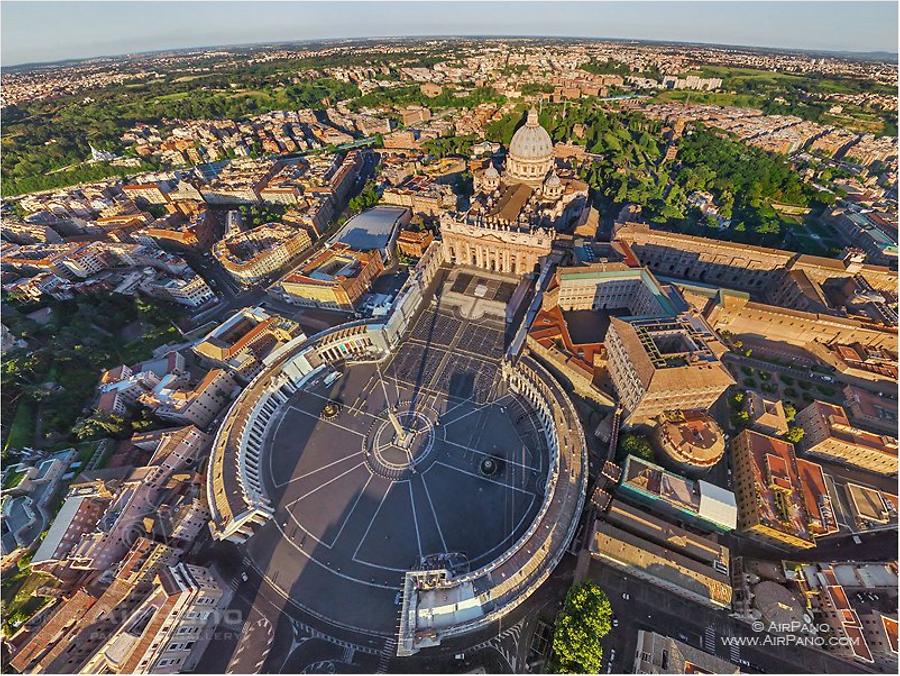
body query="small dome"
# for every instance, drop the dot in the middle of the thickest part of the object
(491, 172)
(531, 142)
(553, 180)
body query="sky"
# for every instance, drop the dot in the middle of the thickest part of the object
(51, 31)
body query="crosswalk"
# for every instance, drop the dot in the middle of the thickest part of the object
(509, 636)
(387, 654)
(257, 633)
(709, 640)
(735, 653)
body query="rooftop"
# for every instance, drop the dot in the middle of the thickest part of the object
(332, 265)
(372, 229)
(791, 492)
(691, 437)
(694, 497)
(672, 353)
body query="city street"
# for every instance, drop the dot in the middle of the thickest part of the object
(233, 296)
(652, 608)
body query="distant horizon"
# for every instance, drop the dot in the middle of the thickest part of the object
(85, 28)
(860, 55)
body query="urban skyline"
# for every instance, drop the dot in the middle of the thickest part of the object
(83, 30)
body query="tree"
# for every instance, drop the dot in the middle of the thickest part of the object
(368, 197)
(100, 423)
(790, 412)
(585, 619)
(740, 419)
(794, 434)
(635, 444)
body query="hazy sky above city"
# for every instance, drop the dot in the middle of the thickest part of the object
(51, 31)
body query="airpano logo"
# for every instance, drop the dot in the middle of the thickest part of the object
(789, 634)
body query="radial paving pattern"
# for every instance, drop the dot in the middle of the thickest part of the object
(356, 506)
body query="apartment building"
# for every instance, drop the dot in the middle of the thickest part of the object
(782, 499)
(766, 415)
(243, 340)
(870, 411)
(147, 193)
(82, 622)
(828, 434)
(191, 405)
(79, 514)
(336, 278)
(139, 494)
(414, 244)
(168, 632)
(250, 255)
(193, 292)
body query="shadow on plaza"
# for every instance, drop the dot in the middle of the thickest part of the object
(418, 381)
(291, 591)
(311, 578)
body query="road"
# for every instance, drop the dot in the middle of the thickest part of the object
(233, 296)
(876, 546)
(655, 609)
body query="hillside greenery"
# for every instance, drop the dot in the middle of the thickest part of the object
(48, 384)
(400, 97)
(54, 134)
(626, 166)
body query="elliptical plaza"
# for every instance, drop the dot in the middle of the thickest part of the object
(390, 479)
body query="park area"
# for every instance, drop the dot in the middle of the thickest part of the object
(49, 383)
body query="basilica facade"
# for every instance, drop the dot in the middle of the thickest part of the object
(514, 216)
(494, 247)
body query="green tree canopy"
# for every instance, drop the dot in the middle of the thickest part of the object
(794, 434)
(367, 198)
(585, 619)
(790, 412)
(635, 444)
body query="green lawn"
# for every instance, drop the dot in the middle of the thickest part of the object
(710, 98)
(803, 243)
(174, 96)
(19, 599)
(21, 432)
(142, 348)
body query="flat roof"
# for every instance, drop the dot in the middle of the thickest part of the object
(372, 229)
(58, 528)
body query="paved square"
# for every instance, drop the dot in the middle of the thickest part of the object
(356, 506)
